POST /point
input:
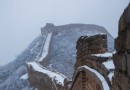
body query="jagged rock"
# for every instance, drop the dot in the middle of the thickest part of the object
(121, 79)
(124, 21)
(128, 40)
(120, 62)
(128, 64)
(120, 82)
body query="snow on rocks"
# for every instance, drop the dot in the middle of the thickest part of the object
(89, 35)
(109, 64)
(55, 76)
(110, 75)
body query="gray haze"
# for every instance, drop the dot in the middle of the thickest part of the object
(21, 20)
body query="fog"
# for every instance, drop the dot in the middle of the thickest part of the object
(21, 20)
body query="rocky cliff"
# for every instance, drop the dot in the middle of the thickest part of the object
(121, 79)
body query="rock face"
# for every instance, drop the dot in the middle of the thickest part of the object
(121, 79)
(88, 62)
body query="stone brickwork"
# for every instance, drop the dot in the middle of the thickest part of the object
(88, 45)
(121, 79)
(92, 44)
(86, 80)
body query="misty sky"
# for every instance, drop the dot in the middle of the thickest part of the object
(21, 20)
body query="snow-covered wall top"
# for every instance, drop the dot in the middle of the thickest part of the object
(46, 45)
(56, 76)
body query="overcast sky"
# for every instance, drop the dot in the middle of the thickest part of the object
(21, 20)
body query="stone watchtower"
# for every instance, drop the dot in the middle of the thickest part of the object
(87, 63)
(87, 45)
(49, 27)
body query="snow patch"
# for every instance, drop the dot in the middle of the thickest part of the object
(50, 65)
(110, 75)
(89, 35)
(109, 64)
(104, 82)
(107, 54)
(24, 77)
(114, 52)
(59, 34)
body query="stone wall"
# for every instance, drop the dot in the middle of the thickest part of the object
(42, 81)
(78, 82)
(92, 44)
(88, 45)
(121, 79)
(45, 60)
(86, 80)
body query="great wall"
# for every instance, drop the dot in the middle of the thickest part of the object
(94, 67)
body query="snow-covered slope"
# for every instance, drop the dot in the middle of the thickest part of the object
(10, 74)
(62, 54)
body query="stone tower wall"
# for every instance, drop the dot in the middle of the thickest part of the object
(87, 47)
